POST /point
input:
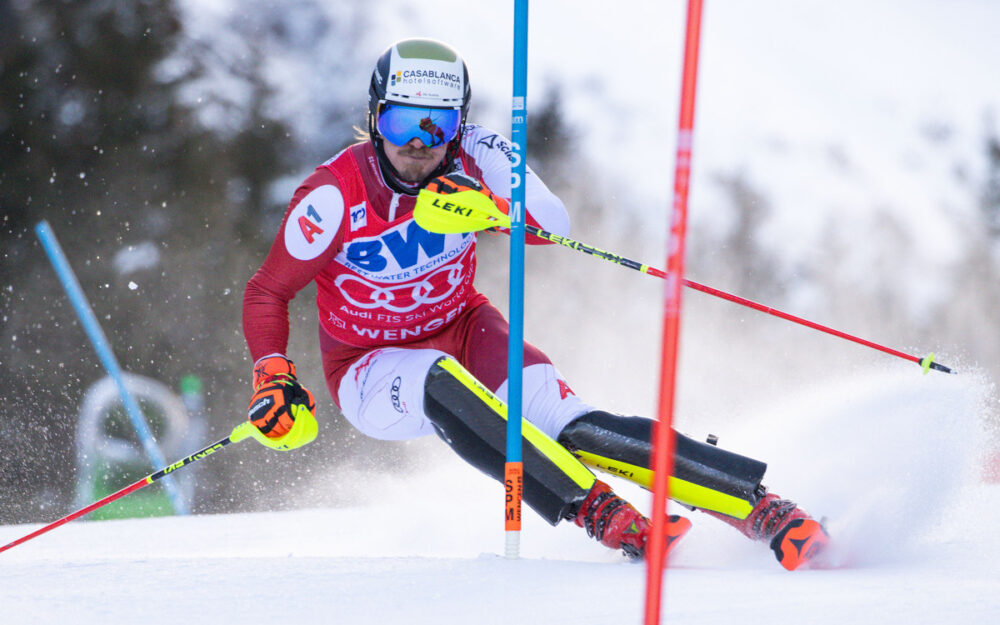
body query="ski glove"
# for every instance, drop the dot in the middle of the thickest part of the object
(456, 182)
(278, 398)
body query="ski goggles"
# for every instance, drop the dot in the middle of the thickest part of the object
(400, 123)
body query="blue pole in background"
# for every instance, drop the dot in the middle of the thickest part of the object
(513, 472)
(107, 357)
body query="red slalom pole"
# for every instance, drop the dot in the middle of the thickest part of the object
(663, 452)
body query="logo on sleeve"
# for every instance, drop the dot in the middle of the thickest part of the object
(496, 142)
(314, 222)
(359, 216)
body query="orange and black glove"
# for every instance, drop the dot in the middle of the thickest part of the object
(278, 397)
(456, 182)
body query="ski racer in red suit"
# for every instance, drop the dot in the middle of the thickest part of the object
(410, 348)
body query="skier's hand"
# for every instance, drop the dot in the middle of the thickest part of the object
(456, 182)
(279, 400)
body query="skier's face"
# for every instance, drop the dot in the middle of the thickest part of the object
(414, 161)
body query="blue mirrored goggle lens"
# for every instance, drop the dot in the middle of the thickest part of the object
(400, 124)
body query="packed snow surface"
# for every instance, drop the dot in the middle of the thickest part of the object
(893, 458)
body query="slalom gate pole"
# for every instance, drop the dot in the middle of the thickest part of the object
(513, 467)
(106, 355)
(240, 432)
(663, 452)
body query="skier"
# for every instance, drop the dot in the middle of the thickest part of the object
(410, 348)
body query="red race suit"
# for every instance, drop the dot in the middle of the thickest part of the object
(381, 279)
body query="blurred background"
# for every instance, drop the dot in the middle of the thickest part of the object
(846, 169)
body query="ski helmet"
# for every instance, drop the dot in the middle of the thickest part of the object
(418, 72)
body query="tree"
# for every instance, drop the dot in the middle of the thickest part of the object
(97, 139)
(153, 149)
(990, 197)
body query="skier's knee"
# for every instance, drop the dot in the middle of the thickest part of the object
(549, 402)
(382, 393)
(473, 421)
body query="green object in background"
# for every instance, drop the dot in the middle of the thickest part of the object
(191, 385)
(112, 474)
(110, 455)
(109, 478)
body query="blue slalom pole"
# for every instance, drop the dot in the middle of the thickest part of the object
(107, 357)
(513, 470)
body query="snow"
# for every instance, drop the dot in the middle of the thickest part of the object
(893, 459)
(138, 257)
(842, 114)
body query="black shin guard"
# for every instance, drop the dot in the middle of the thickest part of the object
(704, 476)
(473, 422)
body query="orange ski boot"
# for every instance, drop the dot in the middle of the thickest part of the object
(795, 538)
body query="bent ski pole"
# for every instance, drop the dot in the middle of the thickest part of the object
(299, 435)
(471, 211)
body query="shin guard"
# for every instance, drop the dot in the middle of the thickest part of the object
(473, 421)
(704, 476)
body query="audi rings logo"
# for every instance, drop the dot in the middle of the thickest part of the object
(435, 287)
(394, 393)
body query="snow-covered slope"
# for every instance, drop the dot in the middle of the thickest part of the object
(839, 113)
(892, 459)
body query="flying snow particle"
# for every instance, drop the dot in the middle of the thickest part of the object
(137, 257)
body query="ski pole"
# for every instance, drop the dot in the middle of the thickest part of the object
(471, 211)
(303, 431)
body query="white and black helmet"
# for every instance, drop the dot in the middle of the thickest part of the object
(418, 72)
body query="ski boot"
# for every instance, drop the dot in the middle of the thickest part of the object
(795, 538)
(615, 523)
